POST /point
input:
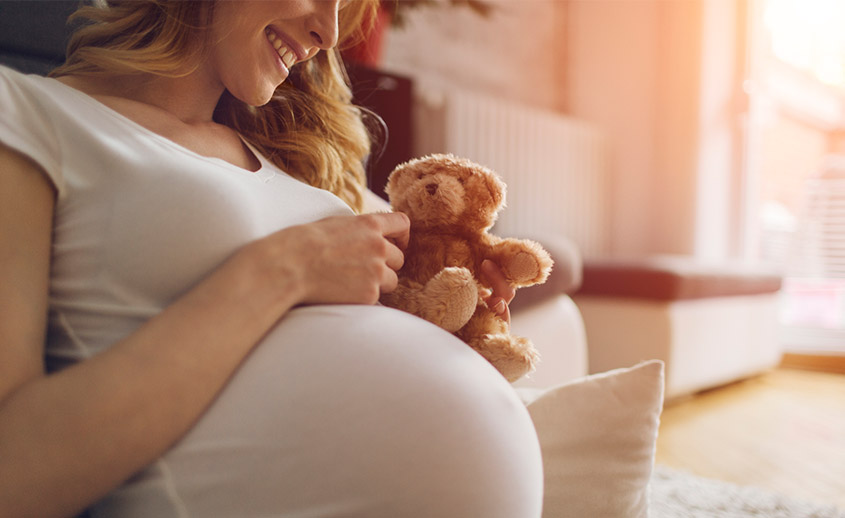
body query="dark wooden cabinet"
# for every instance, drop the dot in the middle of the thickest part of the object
(390, 97)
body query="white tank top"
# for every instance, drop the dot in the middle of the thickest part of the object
(139, 219)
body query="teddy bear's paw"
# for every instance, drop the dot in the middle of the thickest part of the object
(523, 268)
(513, 356)
(453, 296)
(528, 266)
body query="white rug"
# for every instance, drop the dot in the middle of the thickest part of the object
(675, 494)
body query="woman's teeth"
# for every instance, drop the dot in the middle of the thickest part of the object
(287, 55)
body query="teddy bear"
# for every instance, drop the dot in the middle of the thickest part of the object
(452, 202)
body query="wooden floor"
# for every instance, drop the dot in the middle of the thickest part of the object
(783, 430)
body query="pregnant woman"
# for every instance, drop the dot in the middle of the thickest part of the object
(188, 297)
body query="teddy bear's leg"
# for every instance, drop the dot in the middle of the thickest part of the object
(512, 356)
(449, 299)
(405, 297)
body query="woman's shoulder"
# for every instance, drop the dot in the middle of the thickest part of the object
(30, 95)
(45, 94)
(27, 121)
(10, 74)
(13, 83)
(34, 105)
(19, 82)
(22, 101)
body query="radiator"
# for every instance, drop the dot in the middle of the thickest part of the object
(554, 166)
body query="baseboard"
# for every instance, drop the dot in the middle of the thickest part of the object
(815, 362)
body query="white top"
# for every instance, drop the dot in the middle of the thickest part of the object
(340, 410)
(139, 219)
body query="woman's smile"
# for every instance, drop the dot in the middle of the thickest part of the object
(291, 30)
(286, 56)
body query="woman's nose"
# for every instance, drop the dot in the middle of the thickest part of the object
(323, 24)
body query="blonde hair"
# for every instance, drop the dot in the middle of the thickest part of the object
(310, 128)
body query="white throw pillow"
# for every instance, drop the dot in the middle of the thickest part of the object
(598, 436)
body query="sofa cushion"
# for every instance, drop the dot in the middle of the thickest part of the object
(668, 278)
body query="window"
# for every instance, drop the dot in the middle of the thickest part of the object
(796, 162)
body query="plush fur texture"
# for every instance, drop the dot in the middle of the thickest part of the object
(452, 203)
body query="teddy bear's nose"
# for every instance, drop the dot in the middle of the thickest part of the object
(431, 188)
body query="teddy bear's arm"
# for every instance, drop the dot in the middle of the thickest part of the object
(523, 262)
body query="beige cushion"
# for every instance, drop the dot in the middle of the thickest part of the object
(598, 435)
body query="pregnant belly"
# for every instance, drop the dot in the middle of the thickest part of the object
(331, 397)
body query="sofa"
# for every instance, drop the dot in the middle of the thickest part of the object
(710, 323)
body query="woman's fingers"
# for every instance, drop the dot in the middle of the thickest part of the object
(493, 276)
(396, 228)
(347, 259)
(502, 293)
(394, 257)
(389, 281)
(500, 307)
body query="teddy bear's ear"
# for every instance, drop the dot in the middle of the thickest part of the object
(496, 187)
(392, 186)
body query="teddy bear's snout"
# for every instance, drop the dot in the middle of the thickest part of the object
(431, 188)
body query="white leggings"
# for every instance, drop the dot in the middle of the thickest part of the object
(348, 411)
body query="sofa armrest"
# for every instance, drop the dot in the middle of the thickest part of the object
(557, 330)
(565, 277)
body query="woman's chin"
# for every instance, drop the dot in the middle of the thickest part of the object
(259, 96)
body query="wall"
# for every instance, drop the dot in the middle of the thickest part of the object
(612, 78)
(663, 78)
(658, 77)
(517, 53)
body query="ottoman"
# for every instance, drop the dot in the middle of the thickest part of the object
(710, 324)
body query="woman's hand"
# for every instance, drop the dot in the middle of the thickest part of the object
(348, 259)
(503, 293)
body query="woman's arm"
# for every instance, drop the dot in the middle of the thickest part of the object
(67, 439)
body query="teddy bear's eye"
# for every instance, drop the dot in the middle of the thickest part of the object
(420, 176)
(461, 179)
